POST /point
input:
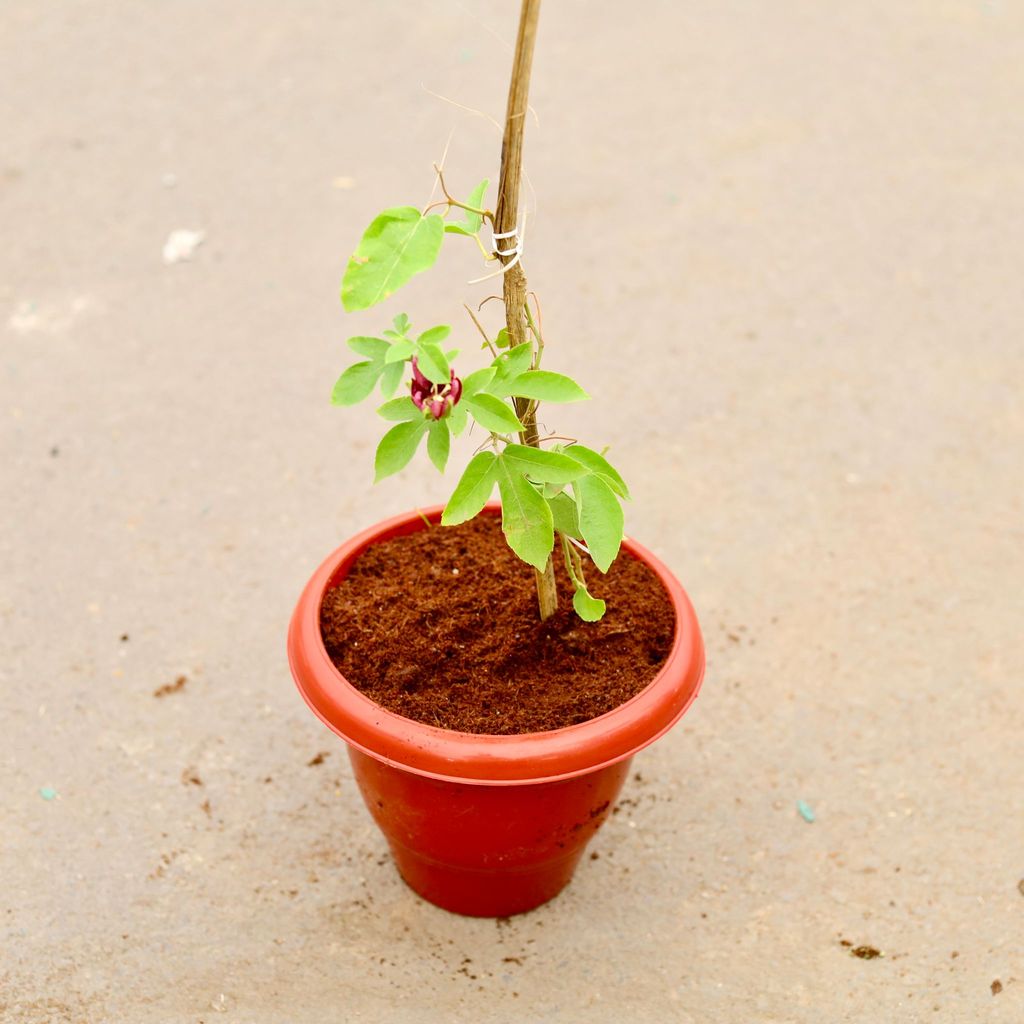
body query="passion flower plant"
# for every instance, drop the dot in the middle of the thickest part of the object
(549, 486)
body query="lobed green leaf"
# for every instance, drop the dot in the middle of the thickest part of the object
(589, 609)
(432, 363)
(397, 447)
(472, 490)
(370, 348)
(477, 381)
(355, 383)
(508, 366)
(545, 386)
(565, 515)
(439, 442)
(601, 519)
(492, 413)
(399, 351)
(599, 466)
(398, 244)
(525, 517)
(391, 378)
(543, 466)
(457, 418)
(400, 410)
(434, 336)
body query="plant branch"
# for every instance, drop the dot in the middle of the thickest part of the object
(506, 219)
(450, 200)
(535, 331)
(483, 333)
(536, 302)
(480, 245)
(573, 562)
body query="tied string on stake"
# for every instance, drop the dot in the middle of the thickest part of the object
(516, 251)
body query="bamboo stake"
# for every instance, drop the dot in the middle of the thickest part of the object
(506, 218)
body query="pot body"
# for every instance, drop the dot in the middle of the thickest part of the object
(487, 825)
(486, 851)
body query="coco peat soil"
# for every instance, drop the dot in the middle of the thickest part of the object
(441, 626)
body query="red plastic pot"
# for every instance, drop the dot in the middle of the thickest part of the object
(487, 825)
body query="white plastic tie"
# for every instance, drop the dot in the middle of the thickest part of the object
(516, 251)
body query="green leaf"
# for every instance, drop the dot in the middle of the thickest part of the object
(391, 378)
(369, 348)
(398, 244)
(476, 198)
(492, 413)
(565, 515)
(439, 442)
(502, 340)
(470, 223)
(546, 386)
(543, 466)
(433, 365)
(599, 466)
(400, 410)
(399, 351)
(473, 489)
(508, 366)
(401, 323)
(601, 520)
(525, 517)
(457, 417)
(589, 609)
(434, 336)
(355, 383)
(515, 360)
(476, 381)
(397, 447)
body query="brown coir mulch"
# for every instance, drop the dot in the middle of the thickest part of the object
(441, 626)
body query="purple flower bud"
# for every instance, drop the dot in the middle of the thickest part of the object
(434, 399)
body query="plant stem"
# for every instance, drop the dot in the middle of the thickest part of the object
(506, 216)
(480, 328)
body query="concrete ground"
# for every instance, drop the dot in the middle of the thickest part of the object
(780, 245)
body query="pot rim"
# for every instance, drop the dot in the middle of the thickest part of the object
(480, 758)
